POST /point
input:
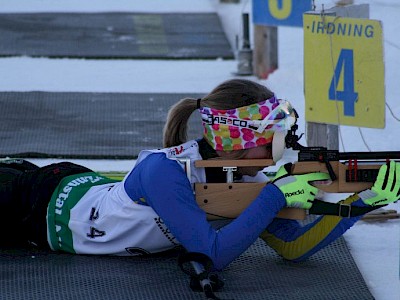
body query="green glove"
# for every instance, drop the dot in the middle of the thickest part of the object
(297, 189)
(386, 188)
(286, 169)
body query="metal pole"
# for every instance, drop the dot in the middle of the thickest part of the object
(245, 54)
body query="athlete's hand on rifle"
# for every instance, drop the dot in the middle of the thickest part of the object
(386, 188)
(298, 189)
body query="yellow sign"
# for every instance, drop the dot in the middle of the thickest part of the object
(344, 71)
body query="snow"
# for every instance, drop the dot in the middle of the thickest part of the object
(78, 75)
(374, 246)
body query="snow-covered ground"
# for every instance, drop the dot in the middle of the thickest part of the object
(375, 246)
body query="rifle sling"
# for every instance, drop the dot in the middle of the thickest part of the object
(339, 209)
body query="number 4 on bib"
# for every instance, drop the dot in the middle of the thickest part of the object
(94, 232)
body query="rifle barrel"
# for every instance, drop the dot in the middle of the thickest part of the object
(369, 155)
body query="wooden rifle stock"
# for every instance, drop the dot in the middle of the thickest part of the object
(350, 173)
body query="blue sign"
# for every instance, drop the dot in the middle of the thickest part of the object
(280, 12)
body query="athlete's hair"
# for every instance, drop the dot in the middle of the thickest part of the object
(228, 95)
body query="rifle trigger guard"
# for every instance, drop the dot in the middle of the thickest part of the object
(288, 168)
(330, 170)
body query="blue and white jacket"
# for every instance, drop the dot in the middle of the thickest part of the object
(154, 209)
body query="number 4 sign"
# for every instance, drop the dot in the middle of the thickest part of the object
(344, 71)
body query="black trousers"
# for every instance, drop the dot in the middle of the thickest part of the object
(25, 191)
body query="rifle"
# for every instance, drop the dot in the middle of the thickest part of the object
(350, 172)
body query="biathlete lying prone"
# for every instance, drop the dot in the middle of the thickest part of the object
(67, 207)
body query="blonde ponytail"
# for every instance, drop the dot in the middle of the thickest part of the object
(176, 128)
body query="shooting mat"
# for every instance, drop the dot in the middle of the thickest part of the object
(114, 35)
(85, 125)
(258, 274)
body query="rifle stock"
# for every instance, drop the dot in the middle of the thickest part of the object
(353, 173)
(342, 184)
(228, 200)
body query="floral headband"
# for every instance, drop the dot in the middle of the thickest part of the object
(248, 126)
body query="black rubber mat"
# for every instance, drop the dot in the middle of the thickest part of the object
(258, 274)
(114, 35)
(85, 125)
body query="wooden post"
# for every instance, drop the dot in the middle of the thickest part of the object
(265, 54)
(326, 135)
